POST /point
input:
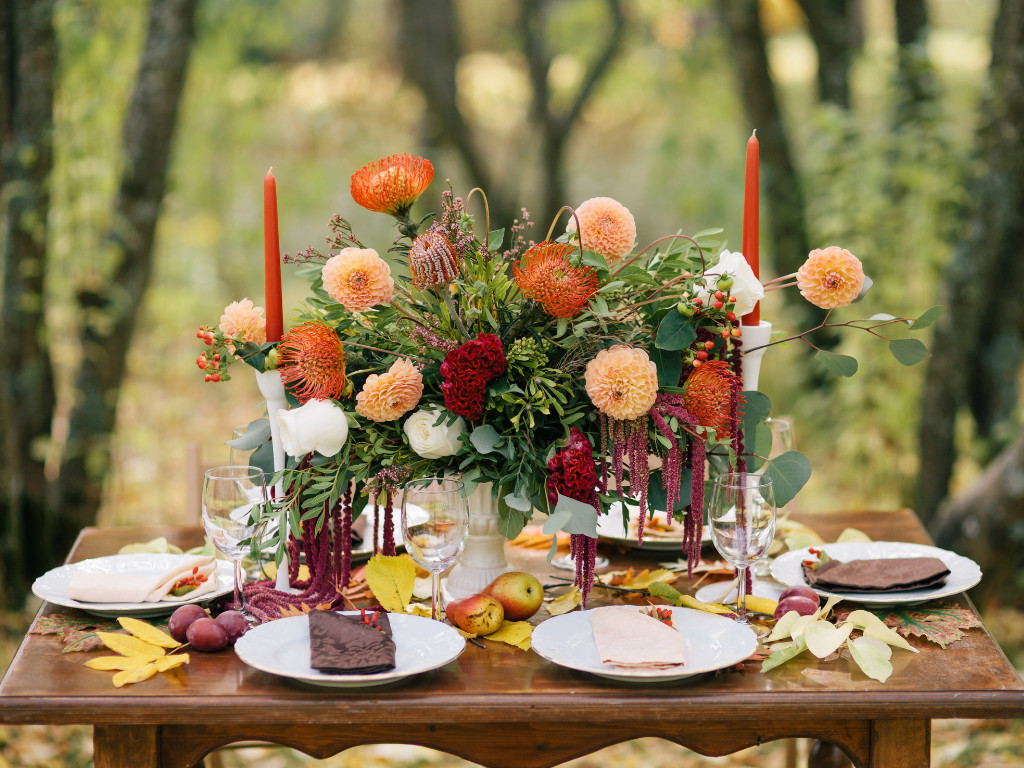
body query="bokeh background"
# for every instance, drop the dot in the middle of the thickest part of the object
(890, 113)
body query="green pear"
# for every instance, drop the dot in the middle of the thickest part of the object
(519, 593)
(477, 614)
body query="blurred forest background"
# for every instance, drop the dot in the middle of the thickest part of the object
(136, 136)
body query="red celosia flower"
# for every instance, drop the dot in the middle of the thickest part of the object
(392, 184)
(712, 395)
(466, 371)
(545, 275)
(311, 361)
(572, 470)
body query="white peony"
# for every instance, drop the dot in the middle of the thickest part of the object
(746, 288)
(432, 442)
(318, 425)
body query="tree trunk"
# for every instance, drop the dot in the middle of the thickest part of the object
(109, 313)
(915, 75)
(979, 333)
(28, 59)
(834, 26)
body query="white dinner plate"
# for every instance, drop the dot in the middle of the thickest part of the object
(964, 573)
(712, 642)
(53, 585)
(609, 526)
(281, 647)
(725, 591)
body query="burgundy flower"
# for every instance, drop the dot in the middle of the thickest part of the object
(466, 371)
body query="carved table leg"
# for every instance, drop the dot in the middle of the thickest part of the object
(825, 754)
(115, 746)
(900, 744)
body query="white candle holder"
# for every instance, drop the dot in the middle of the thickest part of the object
(272, 389)
(754, 336)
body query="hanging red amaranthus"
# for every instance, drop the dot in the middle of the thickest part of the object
(573, 475)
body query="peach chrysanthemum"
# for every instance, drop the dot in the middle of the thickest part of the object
(392, 184)
(311, 362)
(357, 278)
(390, 395)
(622, 382)
(831, 277)
(713, 394)
(545, 275)
(241, 320)
(608, 228)
(432, 260)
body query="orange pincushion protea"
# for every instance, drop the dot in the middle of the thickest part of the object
(311, 361)
(709, 396)
(392, 184)
(545, 275)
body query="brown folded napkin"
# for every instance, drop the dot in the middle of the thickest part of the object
(344, 645)
(626, 637)
(89, 587)
(897, 574)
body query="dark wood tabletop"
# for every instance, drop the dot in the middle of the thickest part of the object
(500, 706)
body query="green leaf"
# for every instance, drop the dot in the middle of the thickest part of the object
(495, 239)
(665, 591)
(908, 351)
(789, 473)
(670, 366)
(255, 434)
(783, 653)
(926, 319)
(518, 502)
(837, 365)
(555, 521)
(563, 324)
(756, 407)
(572, 516)
(512, 524)
(675, 332)
(596, 260)
(484, 438)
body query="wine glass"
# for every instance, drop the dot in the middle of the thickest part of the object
(232, 498)
(782, 441)
(435, 525)
(742, 518)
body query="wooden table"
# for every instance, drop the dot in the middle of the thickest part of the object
(503, 707)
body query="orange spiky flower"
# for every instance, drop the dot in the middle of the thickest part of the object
(545, 275)
(392, 184)
(713, 396)
(311, 361)
(432, 260)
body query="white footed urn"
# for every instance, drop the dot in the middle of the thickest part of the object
(272, 389)
(483, 559)
(754, 336)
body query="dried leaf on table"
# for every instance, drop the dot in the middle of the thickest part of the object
(117, 663)
(147, 632)
(165, 663)
(667, 592)
(302, 608)
(392, 580)
(940, 624)
(127, 645)
(134, 675)
(515, 633)
(75, 629)
(564, 603)
(532, 538)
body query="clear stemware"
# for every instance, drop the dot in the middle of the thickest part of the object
(741, 514)
(435, 525)
(232, 498)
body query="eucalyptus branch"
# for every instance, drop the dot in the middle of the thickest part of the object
(825, 324)
(703, 262)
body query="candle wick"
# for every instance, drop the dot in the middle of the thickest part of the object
(270, 170)
(754, 134)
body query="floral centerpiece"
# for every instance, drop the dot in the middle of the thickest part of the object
(564, 374)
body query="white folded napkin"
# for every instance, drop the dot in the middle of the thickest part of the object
(87, 587)
(626, 637)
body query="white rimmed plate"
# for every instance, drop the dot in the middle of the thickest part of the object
(53, 585)
(712, 642)
(610, 527)
(964, 573)
(281, 647)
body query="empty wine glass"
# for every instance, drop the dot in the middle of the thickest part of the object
(741, 514)
(435, 525)
(232, 498)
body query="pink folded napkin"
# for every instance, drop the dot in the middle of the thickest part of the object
(88, 587)
(628, 638)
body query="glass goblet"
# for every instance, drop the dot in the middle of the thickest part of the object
(435, 525)
(741, 514)
(232, 499)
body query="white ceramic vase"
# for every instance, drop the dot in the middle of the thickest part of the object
(272, 389)
(483, 560)
(754, 336)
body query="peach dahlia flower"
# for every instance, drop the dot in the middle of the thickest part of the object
(831, 277)
(390, 395)
(357, 278)
(241, 320)
(622, 382)
(607, 228)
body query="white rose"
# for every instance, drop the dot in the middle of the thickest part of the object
(318, 425)
(432, 442)
(746, 288)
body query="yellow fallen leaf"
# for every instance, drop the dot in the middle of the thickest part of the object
(391, 579)
(645, 578)
(111, 663)
(128, 645)
(853, 534)
(270, 570)
(147, 632)
(565, 603)
(515, 633)
(418, 609)
(170, 662)
(689, 601)
(130, 676)
(763, 605)
(464, 633)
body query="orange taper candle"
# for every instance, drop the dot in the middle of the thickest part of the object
(751, 189)
(272, 259)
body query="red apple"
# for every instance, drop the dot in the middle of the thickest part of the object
(519, 593)
(801, 605)
(477, 614)
(800, 590)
